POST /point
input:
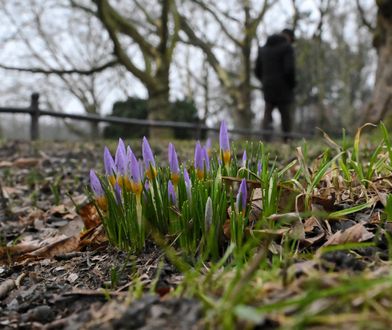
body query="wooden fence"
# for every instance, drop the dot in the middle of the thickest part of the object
(35, 112)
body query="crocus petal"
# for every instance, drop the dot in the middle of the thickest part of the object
(173, 159)
(259, 168)
(198, 162)
(117, 193)
(129, 152)
(136, 184)
(224, 137)
(108, 162)
(148, 157)
(120, 158)
(206, 158)
(244, 159)
(95, 184)
(135, 169)
(242, 197)
(186, 178)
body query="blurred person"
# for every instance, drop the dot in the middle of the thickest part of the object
(275, 68)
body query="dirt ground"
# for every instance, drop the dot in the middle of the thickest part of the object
(54, 279)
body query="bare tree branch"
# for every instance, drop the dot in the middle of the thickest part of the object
(123, 25)
(362, 15)
(60, 72)
(222, 25)
(110, 26)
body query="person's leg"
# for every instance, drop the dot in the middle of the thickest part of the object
(285, 113)
(267, 120)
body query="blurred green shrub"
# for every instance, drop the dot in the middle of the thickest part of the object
(181, 111)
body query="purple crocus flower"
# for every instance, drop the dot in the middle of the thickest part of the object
(117, 193)
(110, 167)
(120, 159)
(136, 184)
(95, 184)
(198, 162)
(148, 158)
(129, 155)
(122, 166)
(259, 168)
(171, 192)
(108, 162)
(224, 143)
(206, 159)
(97, 189)
(244, 159)
(242, 197)
(173, 163)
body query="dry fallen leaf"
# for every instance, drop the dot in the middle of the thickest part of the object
(32, 216)
(5, 164)
(94, 236)
(59, 247)
(356, 233)
(89, 215)
(226, 229)
(26, 162)
(8, 253)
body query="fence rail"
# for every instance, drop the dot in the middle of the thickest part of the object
(35, 112)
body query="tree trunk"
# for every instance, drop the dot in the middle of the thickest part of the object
(159, 109)
(244, 114)
(94, 126)
(381, 101)
(94, 131)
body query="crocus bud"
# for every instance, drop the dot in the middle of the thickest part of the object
(136, 183)
(242, 197)
(110, 167)
(120, 159)
(117, 193)
(198, 161)
(259, 168)
(173, 164)
(244, 159)
(97, 189)
(148, 158)
(206, 159)
(224, 144)
(122, 165)
(171, 192)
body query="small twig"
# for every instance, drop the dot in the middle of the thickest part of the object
(19, 279)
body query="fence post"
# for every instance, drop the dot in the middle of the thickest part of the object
(34, 108)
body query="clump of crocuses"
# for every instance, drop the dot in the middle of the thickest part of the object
(186, 203)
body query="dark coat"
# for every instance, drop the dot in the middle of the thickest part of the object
(275, 68)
